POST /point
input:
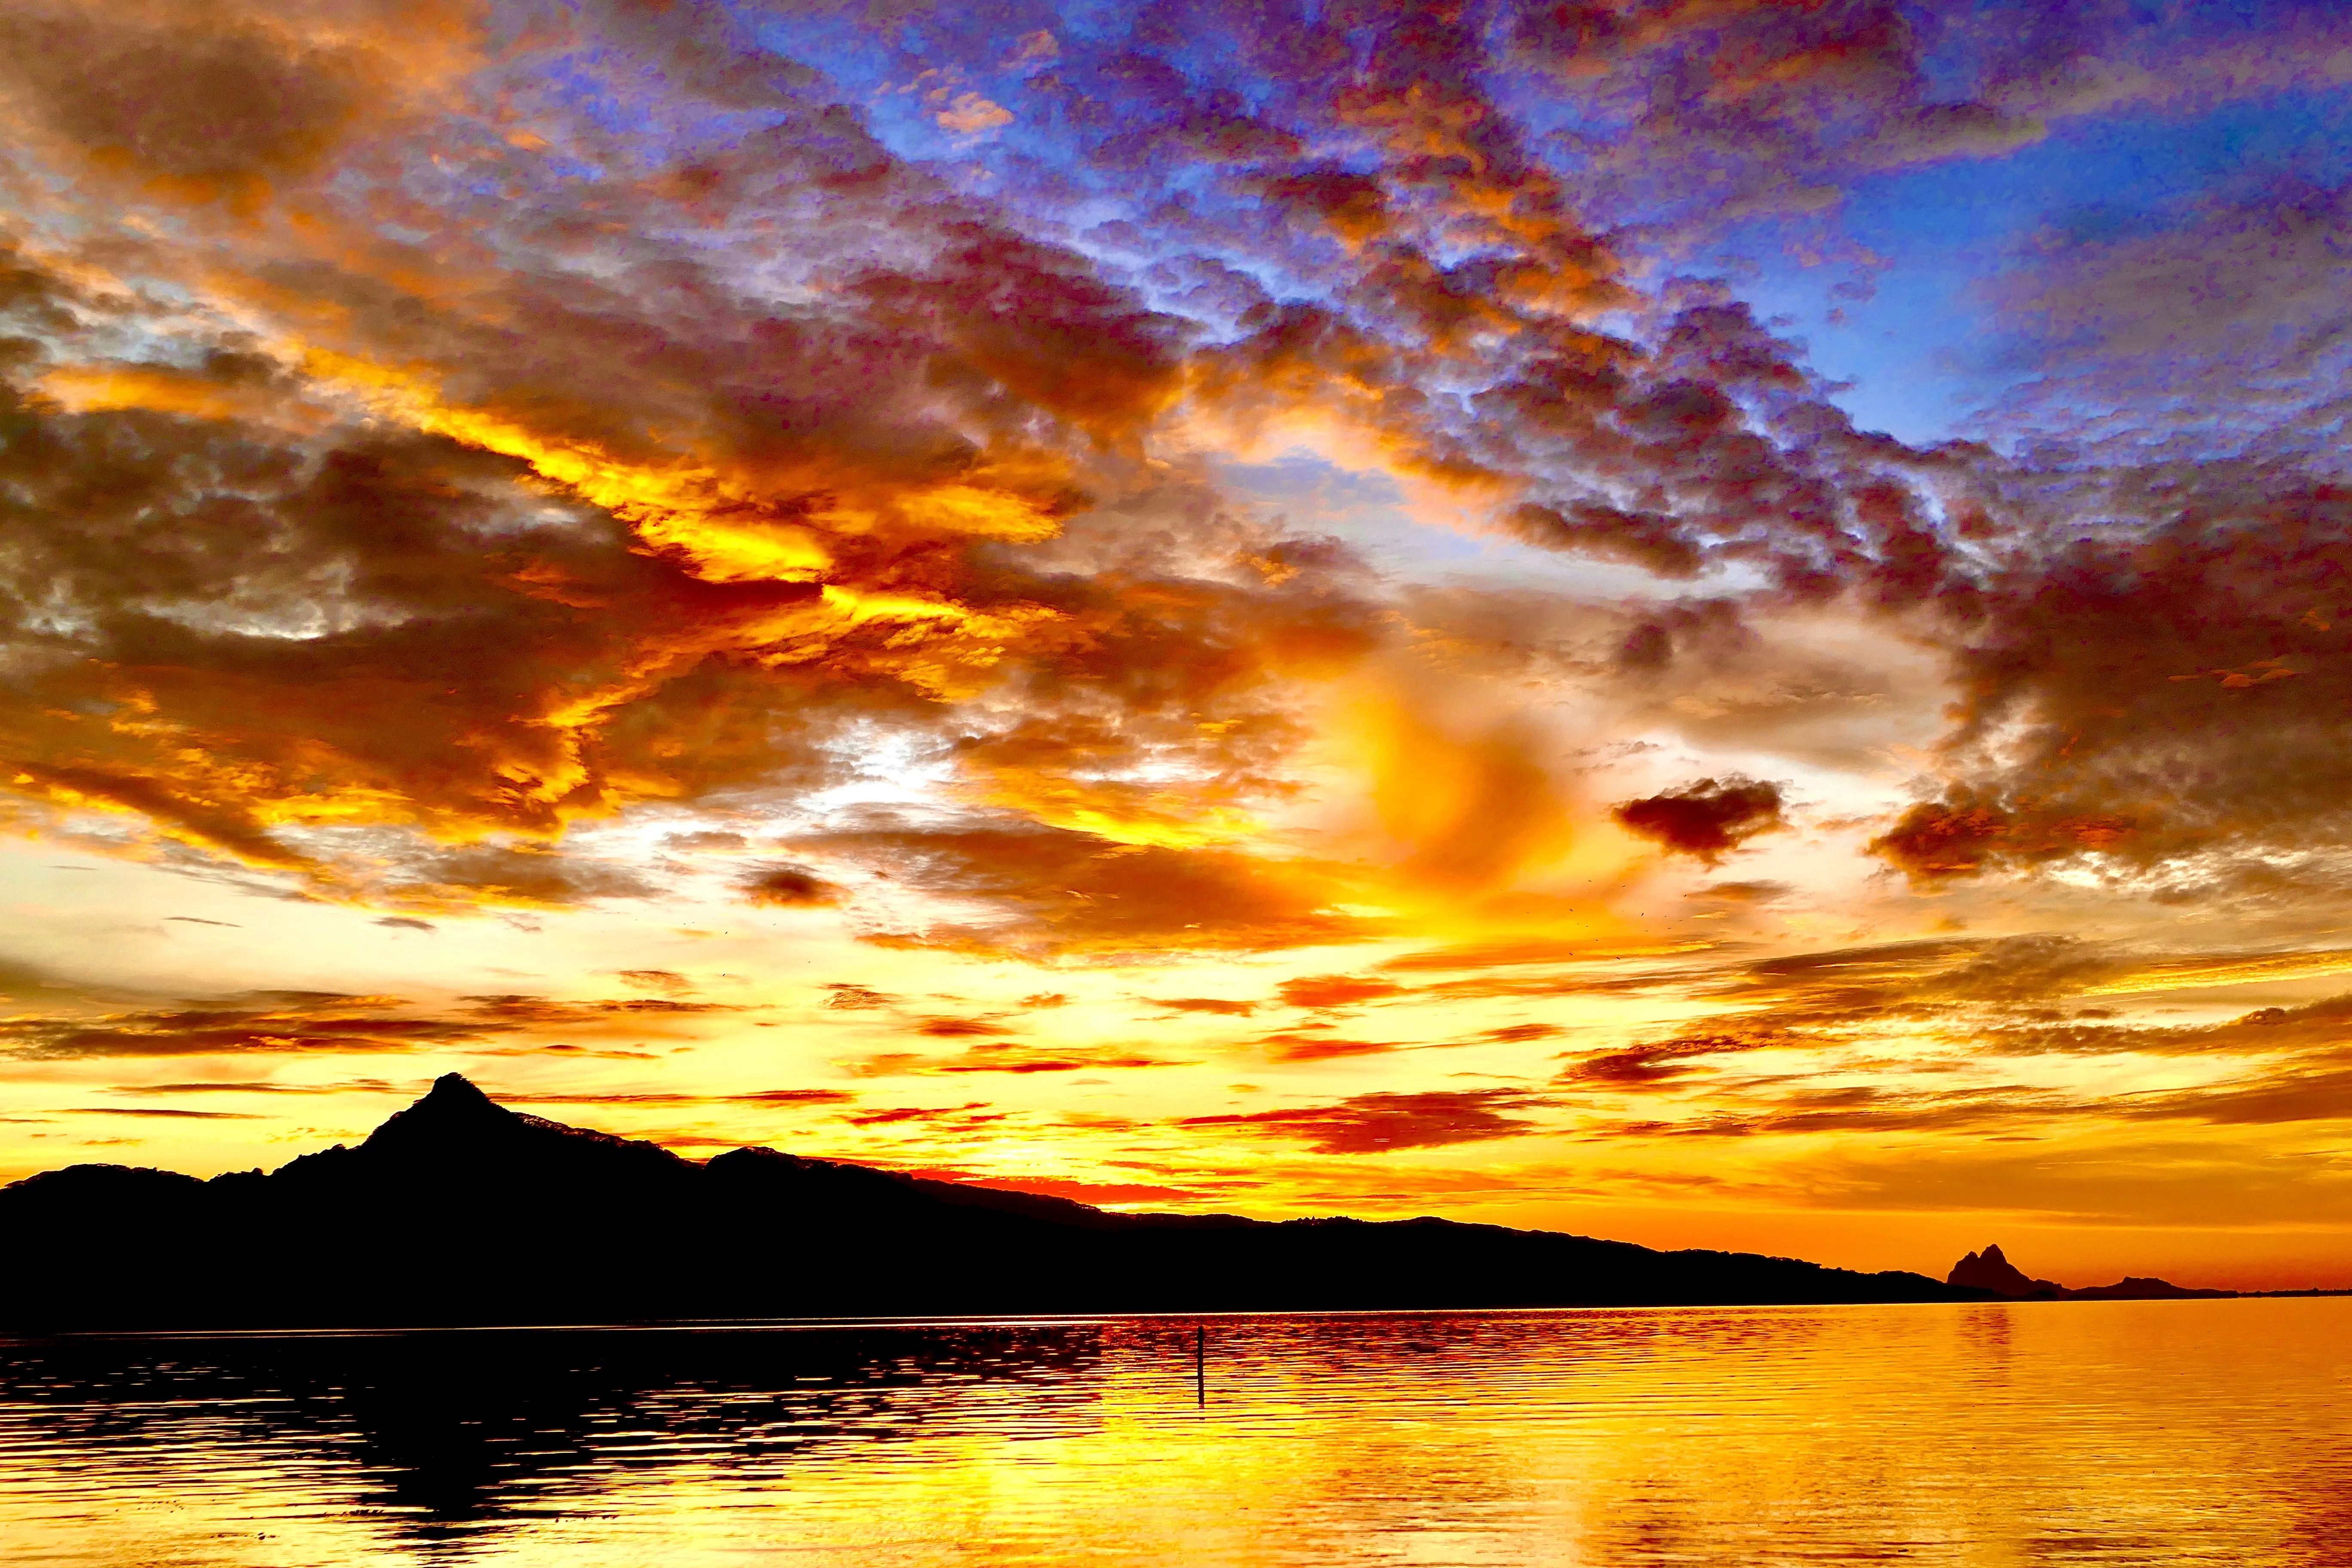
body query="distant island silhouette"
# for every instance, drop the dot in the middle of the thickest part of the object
(458, 1211)
(1989, 1270)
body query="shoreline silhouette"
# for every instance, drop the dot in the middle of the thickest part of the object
(459, 1211)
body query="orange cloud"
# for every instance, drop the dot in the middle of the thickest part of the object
(1377, 1123)
(1322, 991)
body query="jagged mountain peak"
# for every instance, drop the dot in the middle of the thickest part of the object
(457, 1132)
(1990, 1270)
(453, 1094)
(453, 1110)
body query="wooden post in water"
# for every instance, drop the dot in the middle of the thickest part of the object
(1201, 1366)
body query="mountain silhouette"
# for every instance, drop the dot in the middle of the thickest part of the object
(458, 1211)
(1989, 1270)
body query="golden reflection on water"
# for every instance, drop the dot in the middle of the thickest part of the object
(2044, 1432)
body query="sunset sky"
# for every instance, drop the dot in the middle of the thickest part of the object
(1716, 622)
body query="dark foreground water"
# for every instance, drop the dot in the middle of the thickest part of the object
(2075, 1433)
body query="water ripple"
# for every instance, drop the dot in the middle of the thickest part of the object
(2091, 1433)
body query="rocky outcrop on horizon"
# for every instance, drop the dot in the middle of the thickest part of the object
(1990, 1270)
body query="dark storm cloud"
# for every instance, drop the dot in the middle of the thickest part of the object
(788, 887)
(1705, 820)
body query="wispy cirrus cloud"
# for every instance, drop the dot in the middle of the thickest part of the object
(1377, 1123)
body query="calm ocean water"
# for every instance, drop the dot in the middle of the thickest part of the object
(2075, 1433)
